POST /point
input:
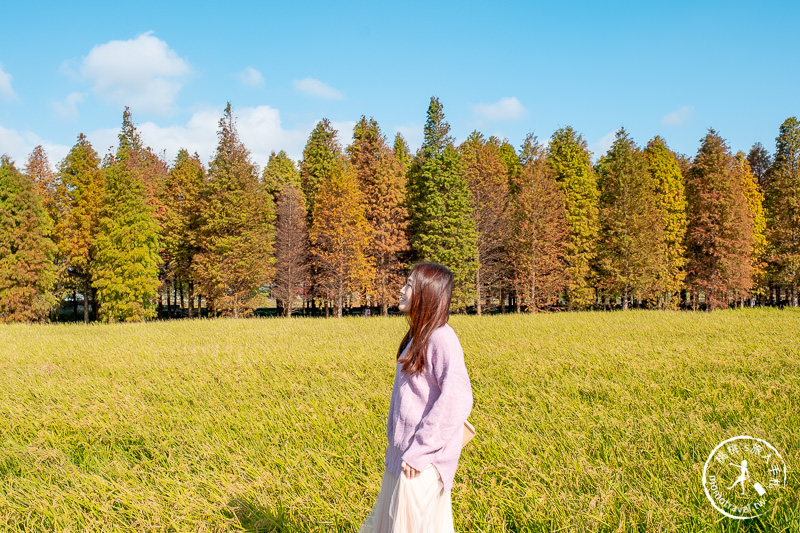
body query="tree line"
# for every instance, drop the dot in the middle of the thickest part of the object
(527, 229)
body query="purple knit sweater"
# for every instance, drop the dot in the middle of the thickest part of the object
(427, 411)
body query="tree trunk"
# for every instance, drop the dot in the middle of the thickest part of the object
(175, 283)
(191, 299)
(181, 307)
(86, 300)
(75, 304)
(169, 302)
(95, 306)
(478, 308)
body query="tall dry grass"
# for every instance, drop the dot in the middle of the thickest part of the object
(586, 421)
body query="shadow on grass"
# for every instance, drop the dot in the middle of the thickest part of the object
(252, 516)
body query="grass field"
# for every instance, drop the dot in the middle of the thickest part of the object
(586, 421)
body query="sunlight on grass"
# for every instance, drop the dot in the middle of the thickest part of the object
(586, 421)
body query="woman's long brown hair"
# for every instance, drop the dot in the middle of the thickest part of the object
(429, 308)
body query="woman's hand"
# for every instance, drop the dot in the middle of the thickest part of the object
(408, 470)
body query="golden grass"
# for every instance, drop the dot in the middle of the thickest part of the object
(586, 421)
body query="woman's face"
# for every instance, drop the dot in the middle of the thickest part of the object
(405, 296)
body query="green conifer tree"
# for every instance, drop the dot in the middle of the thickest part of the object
(280, 170)
(782, 202)
(630, 223)
(511, 160)
(671, 206)
(27, 272)
(440, 208)
(401, 151)
(320, 155)
(126, 267)
(152, 171)
(570, 161)
(237, 227)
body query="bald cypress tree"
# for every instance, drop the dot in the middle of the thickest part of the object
(280, 170)
(760, 162)
(44, 179)
(486, 173)
(340, 237)
(292, 261)
(630, 223)
(237, 231)
(151, 170)
(382, 180)
(401, 151)
(440, 208)
(79, 194)
(671, 209)
(320, 156)
(755, 204)
(537, 239)
(27, 272)
(783, 210)
(720, 225)
(569, 160)
(181, 223)
(127, 244)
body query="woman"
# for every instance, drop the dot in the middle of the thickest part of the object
(431, 400)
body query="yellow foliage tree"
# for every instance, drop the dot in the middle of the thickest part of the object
(340, 236)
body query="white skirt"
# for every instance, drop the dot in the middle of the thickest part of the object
(411, 505)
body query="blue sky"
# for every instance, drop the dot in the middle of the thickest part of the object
(504, 68)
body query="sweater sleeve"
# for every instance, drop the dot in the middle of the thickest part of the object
(446, 417)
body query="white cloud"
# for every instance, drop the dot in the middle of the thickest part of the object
(344, 131)
(413, 134)
(18, 146)
(678, 117)
(504, 109)
(317, 88)
(251, 77)
(6, 90)
(602, 145)
(259, 128)
(143, 73)
(68, 109)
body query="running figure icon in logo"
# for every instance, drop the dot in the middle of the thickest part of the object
(744, 476)
(758, 473)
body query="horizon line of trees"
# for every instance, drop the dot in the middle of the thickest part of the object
(521, 229)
